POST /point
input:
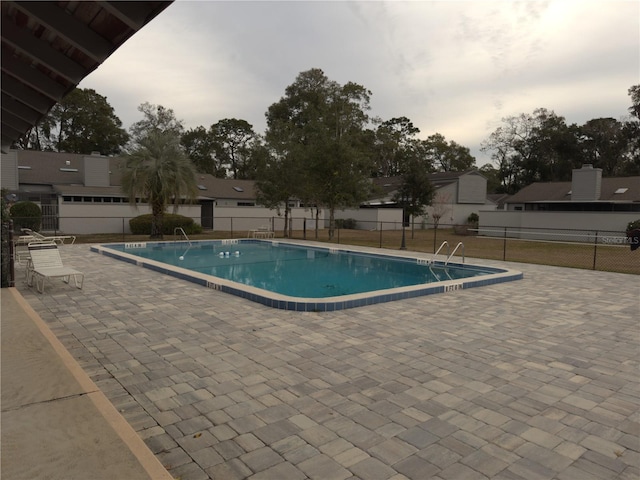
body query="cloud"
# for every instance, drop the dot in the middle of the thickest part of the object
(451, 67)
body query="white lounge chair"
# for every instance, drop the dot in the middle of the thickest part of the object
(46, 263)
(33, 236)
(263, 231)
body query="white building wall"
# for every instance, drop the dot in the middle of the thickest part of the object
(371, 218)
(455, 213)
(493, 223)
(88, 218)
(251, 218)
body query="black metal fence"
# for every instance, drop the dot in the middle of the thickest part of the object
(587, 249)
(6, 254)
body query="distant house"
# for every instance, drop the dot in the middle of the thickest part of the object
(457, 195)
(587, 192)
(588, 202)
(83, 194)
(499, 199)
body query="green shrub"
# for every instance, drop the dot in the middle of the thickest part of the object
(473, 219)
(633, 225)
(142, 225)
(26, 215)
(347, 223)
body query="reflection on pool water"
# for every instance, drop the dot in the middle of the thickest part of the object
(301, 277)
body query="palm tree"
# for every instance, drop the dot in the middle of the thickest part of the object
(159, 171)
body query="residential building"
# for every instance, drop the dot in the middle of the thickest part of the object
(588, 202)
(83, 194)
(457, 195)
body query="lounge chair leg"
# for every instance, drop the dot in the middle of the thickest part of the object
(39, 288)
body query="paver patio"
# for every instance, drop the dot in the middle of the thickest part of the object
(533, 379)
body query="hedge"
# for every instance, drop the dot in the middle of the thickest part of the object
(26, 215)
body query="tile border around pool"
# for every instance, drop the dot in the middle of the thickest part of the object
(284, 302)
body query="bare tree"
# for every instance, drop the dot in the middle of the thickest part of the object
(440, 207)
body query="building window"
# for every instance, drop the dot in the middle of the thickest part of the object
(246, 204)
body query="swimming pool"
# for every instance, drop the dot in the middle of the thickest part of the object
(302, 277)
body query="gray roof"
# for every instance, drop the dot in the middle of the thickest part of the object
(225, 187)
(498, 198)
(52, 168)
(65, 171)
(560, 191)
(89, 191)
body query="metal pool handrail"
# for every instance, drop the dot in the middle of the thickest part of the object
(438, 251)
(181, 230)
(460, 244)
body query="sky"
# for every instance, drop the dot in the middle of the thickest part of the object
(452, 67)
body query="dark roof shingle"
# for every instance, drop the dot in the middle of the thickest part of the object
(560, 191)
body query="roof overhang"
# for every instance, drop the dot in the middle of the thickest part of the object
(48, 47)
(571, 202)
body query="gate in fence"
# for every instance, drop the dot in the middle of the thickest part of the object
(50, 220)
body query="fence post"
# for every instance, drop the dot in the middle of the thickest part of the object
(595, 250)
(123, 237)
(435, 237)
(380, 234)
(504, 246)
(231, 227)
(304, 228)
(12, 254)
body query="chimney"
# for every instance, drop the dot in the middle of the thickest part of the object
(585, 184)
(9, 170)
(96, 171)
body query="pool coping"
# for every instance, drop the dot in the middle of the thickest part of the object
(304, 304)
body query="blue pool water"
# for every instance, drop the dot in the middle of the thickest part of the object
(285, 274)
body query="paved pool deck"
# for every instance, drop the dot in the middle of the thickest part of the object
(533, 379)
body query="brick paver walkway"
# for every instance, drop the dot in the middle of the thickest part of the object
(534, 379)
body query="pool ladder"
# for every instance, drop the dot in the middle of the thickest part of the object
(175, 234)
(433, 259)
(180, 230)
(449, 255)
(460, 244)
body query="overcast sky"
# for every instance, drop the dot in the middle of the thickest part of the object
(452, 67)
